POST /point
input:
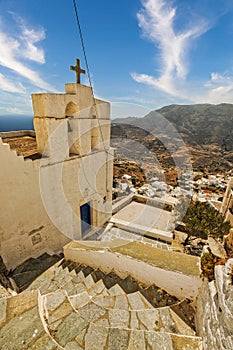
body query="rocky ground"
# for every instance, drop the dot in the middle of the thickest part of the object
(154, 159)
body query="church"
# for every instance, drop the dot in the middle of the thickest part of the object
(61, 187)
(63, 289)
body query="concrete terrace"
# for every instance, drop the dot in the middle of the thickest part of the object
(143, 216)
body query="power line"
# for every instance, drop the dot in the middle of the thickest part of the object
(92, 90)
(82, 43)
(88, 69)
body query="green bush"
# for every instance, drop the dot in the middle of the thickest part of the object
(201, 220)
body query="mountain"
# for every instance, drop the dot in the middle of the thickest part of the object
(205, 130)
(200, 124)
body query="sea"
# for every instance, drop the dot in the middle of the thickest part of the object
(16, 122)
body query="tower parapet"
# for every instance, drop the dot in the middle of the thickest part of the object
(82, 123)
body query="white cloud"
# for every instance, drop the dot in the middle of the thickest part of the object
(8, 85)
(15, 50)
(156, 19)
(217, 78)
(218, 89)
(29, 38)
(20, 105)
(15, 110)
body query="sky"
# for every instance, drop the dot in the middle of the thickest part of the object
(142, 54)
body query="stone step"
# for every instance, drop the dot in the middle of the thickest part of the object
(158, 297)
(80, 300)
(73, 283)
(157, 320)
(43, 281)
(134, 301)
(100, 338)
(116, 290)
(21, 326)
(97, 275)
(80, 267)
(77, 283)
(155, 295)
(138, 302)
(56, 306)
(98, 291)
(87, 270)
(63, 322)
(66, 263)
(128, 284)
(59, 278)
(186, 312)
(25, 274)
(88, 281)
(77, 278)
(94, 327)
(117, 315)
(90, 327)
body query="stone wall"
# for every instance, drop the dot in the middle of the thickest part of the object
(227, 203)
(177, 273)
(228, 241)
(40, 202)
(18, 133)
(214, 317)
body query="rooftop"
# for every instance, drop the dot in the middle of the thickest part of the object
(23, 142)
(145, 215)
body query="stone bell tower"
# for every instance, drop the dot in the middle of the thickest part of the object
(82, 123)
(73, 131)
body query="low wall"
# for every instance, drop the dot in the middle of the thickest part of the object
(165, 236)
(154, 202)
(214, 318)
(122, 203)
(166, 275)
(19, 133)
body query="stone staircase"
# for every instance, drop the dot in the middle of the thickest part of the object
(23, 275)
(72, 306)
(76, 279)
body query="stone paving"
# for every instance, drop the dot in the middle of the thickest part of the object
(116, 233)
(73, 307)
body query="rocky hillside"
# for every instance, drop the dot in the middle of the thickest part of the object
(206, 130)
(198, 124)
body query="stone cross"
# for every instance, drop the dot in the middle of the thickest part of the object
(78, 70)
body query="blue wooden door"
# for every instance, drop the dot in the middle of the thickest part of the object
(85, 213)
